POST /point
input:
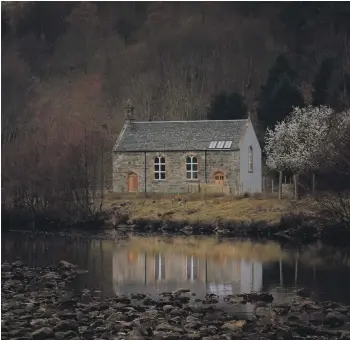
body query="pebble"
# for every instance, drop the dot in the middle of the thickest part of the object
(56, 313)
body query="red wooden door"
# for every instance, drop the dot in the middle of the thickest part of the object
(219, 178)
(133, 182)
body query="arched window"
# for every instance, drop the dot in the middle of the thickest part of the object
(250, 159)
(159, 168)
(191, 167)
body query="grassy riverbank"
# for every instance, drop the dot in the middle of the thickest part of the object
(195, 209)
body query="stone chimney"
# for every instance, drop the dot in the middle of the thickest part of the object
(129, 112)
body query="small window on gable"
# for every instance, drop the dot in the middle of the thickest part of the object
(250, 159)
(159, 168)
(191, 167)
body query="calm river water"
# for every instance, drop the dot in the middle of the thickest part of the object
(203, 264)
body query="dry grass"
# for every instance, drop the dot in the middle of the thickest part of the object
(194, 208)
(210, 248)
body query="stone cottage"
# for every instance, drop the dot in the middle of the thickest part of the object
(173, 156)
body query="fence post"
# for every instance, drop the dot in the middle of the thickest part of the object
(296, 187)
(272, 186)
(263, 184)
(280, 185)
(313, 184)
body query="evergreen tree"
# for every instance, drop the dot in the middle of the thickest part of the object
(279, 94)
(320, 94)
(225, 106)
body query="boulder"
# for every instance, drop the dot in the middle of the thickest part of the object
(234, 325)
(66, 325)
(334, 319)
(316, 318)
(135, 334)
(43, 333)
(17, 264)
(6, 267)
(168, 308)
(304, 292)
(165, 327)
(263, 312)
(67, 265)
(51, 276)
(181, 291)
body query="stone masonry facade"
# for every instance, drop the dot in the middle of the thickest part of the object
(176, 181)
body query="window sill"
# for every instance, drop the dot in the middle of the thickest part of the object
(159, 180)
(250, 171)
(192, 180)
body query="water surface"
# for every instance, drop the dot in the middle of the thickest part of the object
(203, 264)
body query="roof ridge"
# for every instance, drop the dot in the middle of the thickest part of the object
(190, 121)
(180, 135)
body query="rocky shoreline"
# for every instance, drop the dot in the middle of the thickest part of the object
(38, 304)
(293, 229)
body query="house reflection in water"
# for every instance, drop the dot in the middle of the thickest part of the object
(158, 272)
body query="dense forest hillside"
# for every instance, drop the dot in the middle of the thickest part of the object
(170, 58)
(69, 67)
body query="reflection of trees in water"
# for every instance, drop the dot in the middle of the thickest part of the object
(308, 269)
(322, 256)
(206, 264)
(44, 250)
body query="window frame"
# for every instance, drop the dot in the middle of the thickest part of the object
(192, 172)
(250, 159)
(158, 161)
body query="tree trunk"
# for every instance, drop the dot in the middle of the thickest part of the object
(94, 180)
(280, 185)
(102, 179)
(86, 179)
(295, 186)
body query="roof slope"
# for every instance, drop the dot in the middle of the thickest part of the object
(179, 135)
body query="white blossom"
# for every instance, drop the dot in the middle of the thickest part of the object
(308, 139)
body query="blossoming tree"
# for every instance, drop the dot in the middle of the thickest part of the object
(308, 140)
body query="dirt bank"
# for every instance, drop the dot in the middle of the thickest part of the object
(267, 218)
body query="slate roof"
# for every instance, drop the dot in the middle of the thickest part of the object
(179, 135)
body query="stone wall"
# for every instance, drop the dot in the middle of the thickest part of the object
(176, 181)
